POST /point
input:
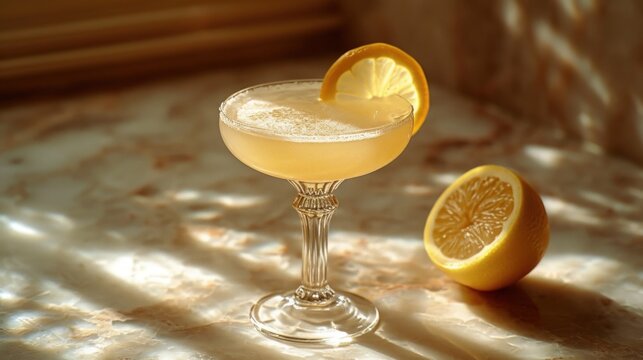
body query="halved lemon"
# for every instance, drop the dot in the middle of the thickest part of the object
(379, 70)
(488, 229)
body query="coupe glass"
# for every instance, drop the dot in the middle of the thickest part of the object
(315, 166)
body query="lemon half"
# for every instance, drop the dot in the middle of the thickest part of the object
(488, 229)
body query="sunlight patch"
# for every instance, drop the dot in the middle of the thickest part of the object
(445, 178)
(548, 38)
(227, 200)
(413, 189)
(20, 228)
(601, 199)
(512, 16)
(565, 210)
(219, 237)
(544, 155)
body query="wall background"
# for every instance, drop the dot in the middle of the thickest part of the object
(77, 44)
(575, 64)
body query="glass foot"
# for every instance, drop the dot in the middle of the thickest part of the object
(337, 322)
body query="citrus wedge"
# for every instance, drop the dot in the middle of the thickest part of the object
(488, 229)
(379, 70)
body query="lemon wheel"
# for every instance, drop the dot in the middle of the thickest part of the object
(375, 71)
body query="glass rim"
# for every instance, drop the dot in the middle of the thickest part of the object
(346, 136)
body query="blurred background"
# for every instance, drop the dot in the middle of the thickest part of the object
(575, 65)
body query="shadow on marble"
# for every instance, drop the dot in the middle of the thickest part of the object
(388, 348)
(18, 350)
(406, 333)
(422, 337)
(125, 304)
(561, 313)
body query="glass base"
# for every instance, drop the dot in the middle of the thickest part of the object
(282, 316)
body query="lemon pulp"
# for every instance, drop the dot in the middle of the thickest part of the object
(472, 217)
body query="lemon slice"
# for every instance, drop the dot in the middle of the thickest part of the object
(375, 71)
(488, 229)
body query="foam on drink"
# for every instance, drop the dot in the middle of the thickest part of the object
(293, 109)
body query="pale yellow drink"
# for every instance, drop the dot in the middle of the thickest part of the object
(284, 130)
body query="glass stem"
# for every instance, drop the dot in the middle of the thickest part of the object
(315, 204)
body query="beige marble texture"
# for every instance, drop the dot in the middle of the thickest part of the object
(127, 231)
(576, 65)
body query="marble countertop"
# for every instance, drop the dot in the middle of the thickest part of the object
(128, 231)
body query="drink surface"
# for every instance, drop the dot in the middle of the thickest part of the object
(283, 130)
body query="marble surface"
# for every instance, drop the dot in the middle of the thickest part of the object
(127, 231)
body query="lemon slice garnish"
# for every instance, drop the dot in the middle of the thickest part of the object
(375, 71)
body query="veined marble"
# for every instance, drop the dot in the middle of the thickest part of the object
(128, 231)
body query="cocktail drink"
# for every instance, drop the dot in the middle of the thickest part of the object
(284, 130)
(316, 134)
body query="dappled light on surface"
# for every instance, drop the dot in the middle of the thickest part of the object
(589, 127)
(98, 261)
(608, 202)
(158, 270)
(565, 210)
(414, 189)
(8, 297)
(577, 9)
(546, 156)
(204, 215)
(228, 200)
(445, 178)
(548, 39)
(20, 228)
(512, 16)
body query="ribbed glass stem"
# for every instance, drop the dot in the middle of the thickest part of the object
(315, 204)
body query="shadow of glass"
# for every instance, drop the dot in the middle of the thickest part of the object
(561, 313)
(403, 334)
(388, 348)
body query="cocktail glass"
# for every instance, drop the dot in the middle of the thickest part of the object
(315, 165)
